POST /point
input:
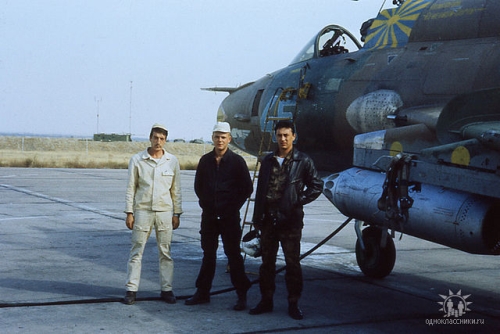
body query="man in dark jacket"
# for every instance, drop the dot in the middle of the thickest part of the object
(222, 184)
(287, 181)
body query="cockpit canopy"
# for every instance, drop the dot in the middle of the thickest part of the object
(330, 41)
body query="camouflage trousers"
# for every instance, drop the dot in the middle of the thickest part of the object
(271, 237)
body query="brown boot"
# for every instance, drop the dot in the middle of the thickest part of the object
(129, 298)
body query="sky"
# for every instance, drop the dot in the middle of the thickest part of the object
(79, 67)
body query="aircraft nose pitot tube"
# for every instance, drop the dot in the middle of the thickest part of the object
(452, 218)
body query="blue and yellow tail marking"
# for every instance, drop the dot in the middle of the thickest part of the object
(392, 27)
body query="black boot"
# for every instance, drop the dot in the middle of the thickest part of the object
(262, 307)
(199, 297)
(241, 303)
(294, 311)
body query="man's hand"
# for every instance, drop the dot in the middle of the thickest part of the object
(175, 222)
(130, 220)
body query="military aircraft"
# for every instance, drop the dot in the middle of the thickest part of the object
(405, 127)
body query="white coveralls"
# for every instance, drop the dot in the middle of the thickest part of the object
(153, 196)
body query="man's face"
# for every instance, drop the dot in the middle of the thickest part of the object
(285, 138)
(221, 140)
(157, 140)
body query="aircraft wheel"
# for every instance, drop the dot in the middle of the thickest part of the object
(375, 261)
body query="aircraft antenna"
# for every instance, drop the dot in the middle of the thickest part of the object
(97, 100)
(383, 3)
(130, 112)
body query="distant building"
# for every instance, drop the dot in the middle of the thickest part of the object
(112, 137)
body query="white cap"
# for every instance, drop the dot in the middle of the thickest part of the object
(222, 127)
(159, 126)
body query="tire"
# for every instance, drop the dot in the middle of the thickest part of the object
(375, 261)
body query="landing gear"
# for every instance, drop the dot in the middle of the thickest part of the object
(374, 260)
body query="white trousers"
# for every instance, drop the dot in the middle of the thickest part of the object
(144, 221)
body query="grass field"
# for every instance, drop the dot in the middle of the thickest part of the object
(45, 152)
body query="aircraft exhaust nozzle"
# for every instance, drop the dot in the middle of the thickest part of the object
(460, 220)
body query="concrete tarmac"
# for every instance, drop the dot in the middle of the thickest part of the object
(64, 248)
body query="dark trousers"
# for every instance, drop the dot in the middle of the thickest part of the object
(290, 244)
(230, 231)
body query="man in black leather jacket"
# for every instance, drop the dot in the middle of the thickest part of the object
(287, 181)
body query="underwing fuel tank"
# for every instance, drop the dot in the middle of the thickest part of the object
(460, 220)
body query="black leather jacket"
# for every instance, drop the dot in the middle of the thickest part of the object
(303, 186)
